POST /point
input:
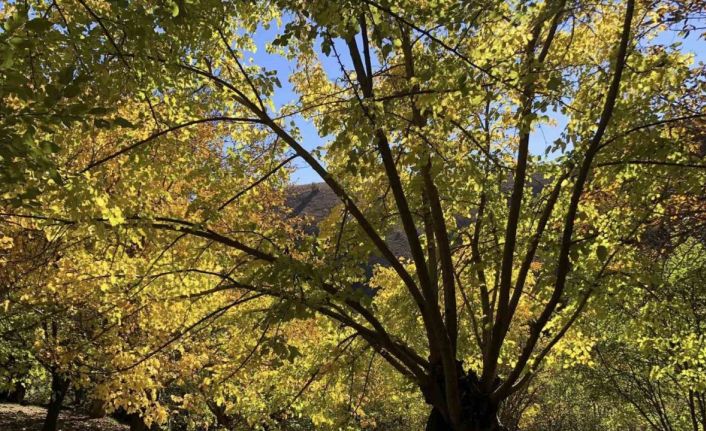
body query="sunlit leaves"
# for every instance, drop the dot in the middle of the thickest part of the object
(148, 144)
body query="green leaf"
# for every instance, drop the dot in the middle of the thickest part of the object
(602, 253)
(39, 25)
(326, 47)
(98, 111)
(66, 75)
(49, 147)
(71, 91)
(120, 121)
(14, 22)
(101, 123)
(7, 59)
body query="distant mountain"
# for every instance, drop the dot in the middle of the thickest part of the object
(316, 200)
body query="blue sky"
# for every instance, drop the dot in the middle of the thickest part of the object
(286, 94)
(540, 139)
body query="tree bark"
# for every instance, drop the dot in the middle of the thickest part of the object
(472, 420)
(59, 386)
(436, 421)
(478, 411)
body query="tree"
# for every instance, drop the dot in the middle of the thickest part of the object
(430, 123)
(652, 360)
(640, 368)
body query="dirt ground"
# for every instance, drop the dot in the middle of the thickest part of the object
(14, 417)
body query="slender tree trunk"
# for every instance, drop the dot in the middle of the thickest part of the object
(702, 408)
(59, 386)
(79, 397)
(692, 411)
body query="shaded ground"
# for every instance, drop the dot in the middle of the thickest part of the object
(14, 417)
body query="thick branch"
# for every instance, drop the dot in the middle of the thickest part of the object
(564, 264)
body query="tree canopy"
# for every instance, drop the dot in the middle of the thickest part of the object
(153, 260)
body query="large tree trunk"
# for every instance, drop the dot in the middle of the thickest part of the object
(473, 420)
(479, 413)
(436, 421)
(59, 386)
